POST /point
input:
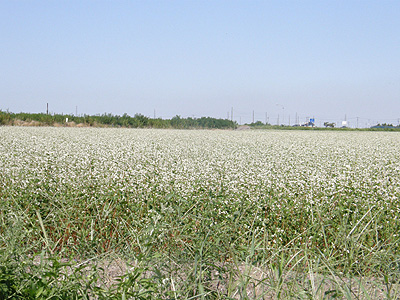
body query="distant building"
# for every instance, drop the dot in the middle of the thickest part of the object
(310, 123)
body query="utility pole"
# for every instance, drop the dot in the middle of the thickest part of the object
(357, 122)
(47, 111)
(283, 114)
(76, 110)
(154, 113)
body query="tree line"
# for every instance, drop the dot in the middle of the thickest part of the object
(110, 120)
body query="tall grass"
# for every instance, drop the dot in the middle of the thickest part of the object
(198, 215)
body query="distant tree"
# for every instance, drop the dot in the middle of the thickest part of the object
(258, 123)
(5, 118)
(141, 121)
(176, 122)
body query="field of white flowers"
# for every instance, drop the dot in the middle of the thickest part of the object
(201, 210)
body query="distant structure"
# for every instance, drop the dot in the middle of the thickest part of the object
(344, 123)
(309, 123)
(243, 127)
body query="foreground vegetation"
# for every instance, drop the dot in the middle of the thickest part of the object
(198, 214)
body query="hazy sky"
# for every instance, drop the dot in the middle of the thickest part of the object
(325, 59)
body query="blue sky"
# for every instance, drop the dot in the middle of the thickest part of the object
(322, 59)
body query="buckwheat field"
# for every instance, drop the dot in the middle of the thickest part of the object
(175, 214)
